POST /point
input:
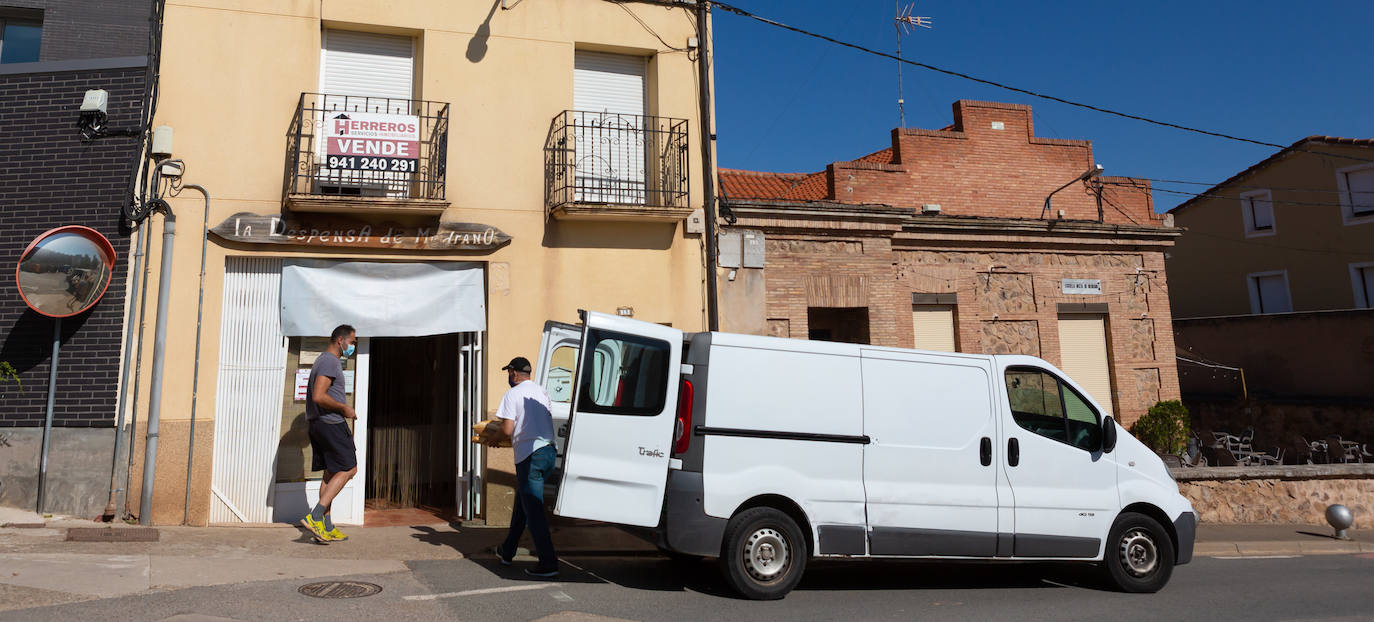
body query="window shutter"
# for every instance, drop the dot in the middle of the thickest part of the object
(1261, 213)
(934, 326)
(1273, 294)
(1083, 356)
(611, 83)
(361, 63)
(1360, 185)
(1367, 279)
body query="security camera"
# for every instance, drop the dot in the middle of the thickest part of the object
(93, 108)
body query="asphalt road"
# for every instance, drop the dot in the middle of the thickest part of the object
(649, 587)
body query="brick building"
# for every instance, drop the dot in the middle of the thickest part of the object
(939, 243)
(55, 52)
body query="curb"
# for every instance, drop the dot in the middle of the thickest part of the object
(1279, 547)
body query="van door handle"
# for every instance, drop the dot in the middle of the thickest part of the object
(985, 451)
(1013, 452)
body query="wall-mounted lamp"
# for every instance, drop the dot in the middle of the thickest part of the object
(1088, 174)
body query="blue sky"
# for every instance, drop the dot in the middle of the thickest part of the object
(1269, 70)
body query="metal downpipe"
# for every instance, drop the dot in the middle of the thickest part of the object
(164, 290)
(195, 374)
(112, 507)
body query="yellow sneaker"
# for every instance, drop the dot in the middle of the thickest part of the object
(334, 535)
(316, 528)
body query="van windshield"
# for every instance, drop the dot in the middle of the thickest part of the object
(624, 374)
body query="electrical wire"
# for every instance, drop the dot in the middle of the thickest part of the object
(1287, 189)
(743, 13)
(647, 27)
(1210, 195)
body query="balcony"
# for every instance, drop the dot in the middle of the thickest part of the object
(605, 166)
(366, 155)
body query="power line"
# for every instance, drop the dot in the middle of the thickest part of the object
(1289, 189)
(1210, 195)
(1327, 251)
(743, 13)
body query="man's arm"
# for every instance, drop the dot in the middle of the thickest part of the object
(322, 399)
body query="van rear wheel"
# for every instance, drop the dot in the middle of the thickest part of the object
(1140, 555)
(764, 554)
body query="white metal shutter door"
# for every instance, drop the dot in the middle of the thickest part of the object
(608, 135)
(934, 326)
(248, 394)
(361, 63)
(1273, 294)
(1083, 356)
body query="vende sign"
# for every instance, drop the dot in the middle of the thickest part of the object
(368, 141)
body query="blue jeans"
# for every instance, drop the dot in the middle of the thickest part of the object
(530, 474)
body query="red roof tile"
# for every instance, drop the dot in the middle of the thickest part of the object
(739, 184)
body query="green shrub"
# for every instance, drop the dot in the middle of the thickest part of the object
(9, 374)
(1165, 428)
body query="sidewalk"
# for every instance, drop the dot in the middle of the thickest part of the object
(1253, 540)
(41, 566)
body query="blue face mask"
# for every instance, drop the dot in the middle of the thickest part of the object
(348, 351)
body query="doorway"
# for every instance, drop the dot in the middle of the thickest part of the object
(841, 324)
(413, 429)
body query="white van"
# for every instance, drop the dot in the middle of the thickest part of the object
(766, 452)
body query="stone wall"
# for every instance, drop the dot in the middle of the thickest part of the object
(1287, 495)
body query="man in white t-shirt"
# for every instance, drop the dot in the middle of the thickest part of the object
(527, 419)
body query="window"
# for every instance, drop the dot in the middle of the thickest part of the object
(1269, 292)
(1042, 404)
(1362, 282)
(934, 327)
(558, 380)
(626, 374)
(20, 39)
(1258, 209)
(1356, 185)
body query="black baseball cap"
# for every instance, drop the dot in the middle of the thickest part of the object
(520, 364)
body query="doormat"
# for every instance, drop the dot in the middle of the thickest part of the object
(112, 534)
(340, 589)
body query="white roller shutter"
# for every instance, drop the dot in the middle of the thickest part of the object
(362, 63)
(248, 392)
(934, 326)
(608, 132)
(1083, 356)
(611, 83)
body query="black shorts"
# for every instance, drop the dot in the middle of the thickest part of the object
(331, 447)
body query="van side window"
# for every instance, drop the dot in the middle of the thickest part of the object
(1042, 404)
(559, 377)
(626, 374)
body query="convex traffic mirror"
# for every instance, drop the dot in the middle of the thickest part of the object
(65, 271)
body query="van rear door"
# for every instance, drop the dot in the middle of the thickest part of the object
(554, 372)
(620, 433)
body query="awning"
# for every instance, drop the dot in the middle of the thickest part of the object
(381, 299)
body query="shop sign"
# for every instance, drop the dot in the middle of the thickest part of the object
(369, 141)
(1081, 286)
(338, 232)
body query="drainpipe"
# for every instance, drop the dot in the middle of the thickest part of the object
(164, 291)
(110, 508)
(195, 374)
(707, 170)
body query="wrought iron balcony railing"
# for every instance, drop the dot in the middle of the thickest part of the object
(407, 162)
(599, 158)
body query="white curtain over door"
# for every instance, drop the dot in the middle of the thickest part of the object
(382, 299)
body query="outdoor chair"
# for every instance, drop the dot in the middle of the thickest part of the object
(1316, 451)
(1171, 461)
(1347, 451)
(1194, 457)
(1265, 459)
(1222, 456)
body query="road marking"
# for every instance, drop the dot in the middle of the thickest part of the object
(561, 596)
(489, 590)
(1255, 556)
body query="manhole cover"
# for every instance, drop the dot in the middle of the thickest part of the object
(112, 534)
(340, 589)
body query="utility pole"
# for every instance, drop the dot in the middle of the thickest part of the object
(708, 141)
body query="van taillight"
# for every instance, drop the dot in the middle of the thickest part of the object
(682, 435)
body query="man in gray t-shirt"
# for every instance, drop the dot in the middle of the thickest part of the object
(331, 440)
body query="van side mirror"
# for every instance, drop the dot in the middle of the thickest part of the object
(1108, 435)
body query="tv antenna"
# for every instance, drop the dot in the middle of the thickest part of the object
(905, 23)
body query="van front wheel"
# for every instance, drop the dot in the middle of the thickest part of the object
(1139, 556)
(764, 553)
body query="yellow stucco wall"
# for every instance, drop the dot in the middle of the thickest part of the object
(1208, 267)
(232, 72)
